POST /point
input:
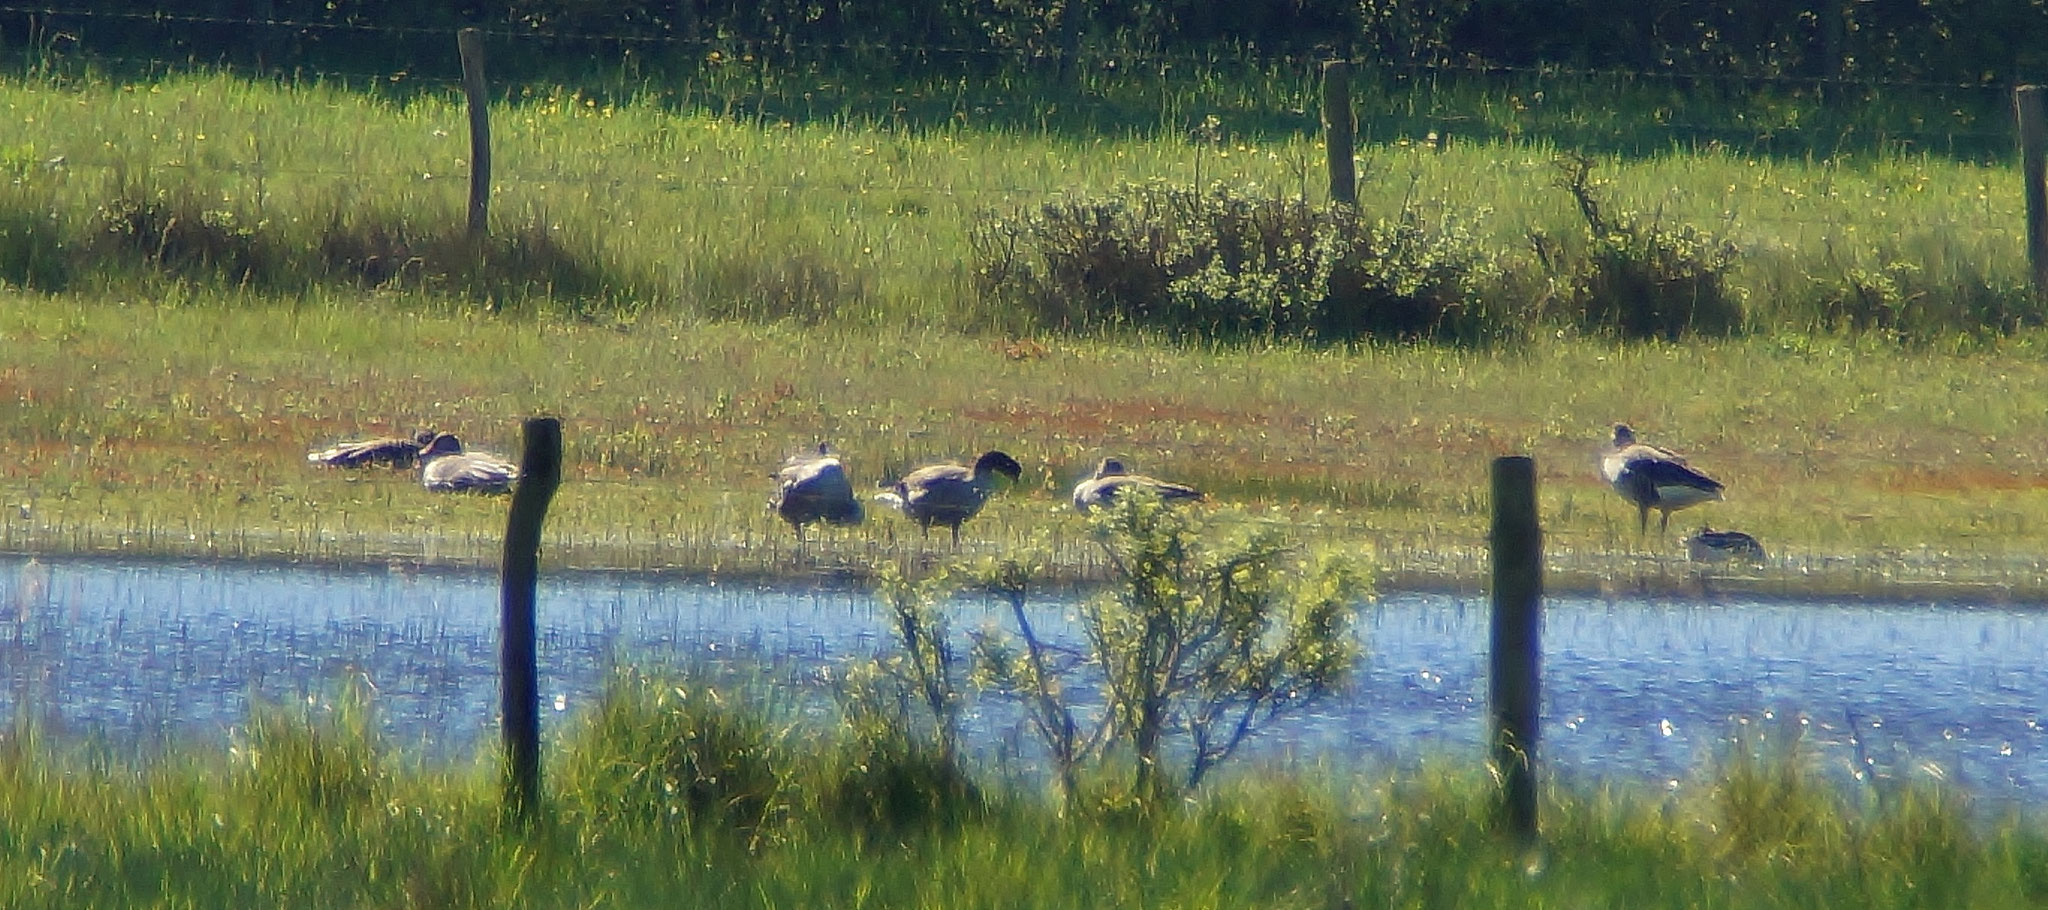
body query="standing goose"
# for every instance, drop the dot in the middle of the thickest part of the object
(396, 451)
(949, 494)
(1654, 478)
(813, 487)
(1111, 478)
(445, 466)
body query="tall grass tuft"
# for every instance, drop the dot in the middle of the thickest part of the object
(297, 761)
(668, 753)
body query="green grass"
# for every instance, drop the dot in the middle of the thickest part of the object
(665, 197)
(151, 428)
(311, 810)
(762, 284)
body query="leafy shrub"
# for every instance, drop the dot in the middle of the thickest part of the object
(1645, 281)
(1199, 644)
(1232, 264)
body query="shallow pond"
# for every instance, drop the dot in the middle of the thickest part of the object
(135, 654)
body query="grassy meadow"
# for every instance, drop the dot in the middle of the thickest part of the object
(147, 428)
(698, 294)
(205, 277)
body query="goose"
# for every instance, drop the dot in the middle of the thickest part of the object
(813, 487)
(948, 494)
(1111, 478)
(396, 451)
(1710, 545)
(445, 466)
(1654, 478)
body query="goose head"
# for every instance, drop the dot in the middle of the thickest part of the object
(994, 462)
(441, 444)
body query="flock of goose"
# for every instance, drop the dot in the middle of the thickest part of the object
(810, 488)
(813, 487)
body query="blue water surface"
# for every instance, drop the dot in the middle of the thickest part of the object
(137, 654)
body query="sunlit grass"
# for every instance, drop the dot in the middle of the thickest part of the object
(310, 809)
(671, 200)
(769, 283)
(145, 428)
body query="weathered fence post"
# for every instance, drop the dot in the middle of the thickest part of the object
(1513, 699)
(1340, 127)
(470, 42)
(540, 472)
(2030, 105)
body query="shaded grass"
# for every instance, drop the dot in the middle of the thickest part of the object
(142, 427)
(273, 821)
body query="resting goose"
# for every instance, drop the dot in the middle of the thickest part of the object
(1710, 545)
(1111, 478)
(445, 466)
(1654, 478)
(948, 494)
(813, 487)
(396, 451)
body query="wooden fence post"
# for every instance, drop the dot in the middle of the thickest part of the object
(1513, 700)
(470, 42)
(1340, 127)
(540, 473)
(2030, 105)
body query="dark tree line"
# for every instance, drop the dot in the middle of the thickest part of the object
(1944, 41)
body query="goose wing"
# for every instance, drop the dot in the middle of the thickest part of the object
(469, 471)
(367, 451)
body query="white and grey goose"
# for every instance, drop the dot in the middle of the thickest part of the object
(948, 494)
(813, 487)
(1654, 478)
(445, 466)
(1111, 479)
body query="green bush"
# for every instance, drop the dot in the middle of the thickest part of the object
(1232, 264)
(1646, 280)
(1201, 643)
